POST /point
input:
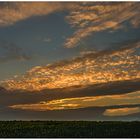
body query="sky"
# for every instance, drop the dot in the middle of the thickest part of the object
(70, 60)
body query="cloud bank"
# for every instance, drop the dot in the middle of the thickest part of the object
(132, 98)
(106, 66)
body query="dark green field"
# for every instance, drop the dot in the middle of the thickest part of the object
(69, 129)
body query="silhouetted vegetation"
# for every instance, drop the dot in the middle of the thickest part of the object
(69, 129)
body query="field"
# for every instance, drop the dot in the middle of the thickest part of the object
(69, 129)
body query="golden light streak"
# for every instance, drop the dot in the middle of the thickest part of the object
(83, 102)
(121, 111)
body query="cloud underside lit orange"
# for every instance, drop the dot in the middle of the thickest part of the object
(132, 98)
(93, 68)
(121, 111)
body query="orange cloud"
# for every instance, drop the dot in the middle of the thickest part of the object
(88, 69)
(12, 12)
(85, 17)
(95, 17)
(121, 111)
(83, 102)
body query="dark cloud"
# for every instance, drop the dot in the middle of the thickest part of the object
(90, 113)
(9, 98)
(112, 88)
(10, 51)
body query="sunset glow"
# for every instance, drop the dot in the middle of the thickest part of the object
(70, 60)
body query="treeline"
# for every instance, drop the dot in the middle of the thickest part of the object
(69, 129)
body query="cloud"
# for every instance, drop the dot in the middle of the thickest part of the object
(47, 40)
(12, 12)
(132, 98)
(121, 111)
(86, 17)
(94, 17)
(93, 68)
(10, 51)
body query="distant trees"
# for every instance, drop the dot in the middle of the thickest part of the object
(69, 129)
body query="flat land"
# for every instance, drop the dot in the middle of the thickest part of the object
(69, 129)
